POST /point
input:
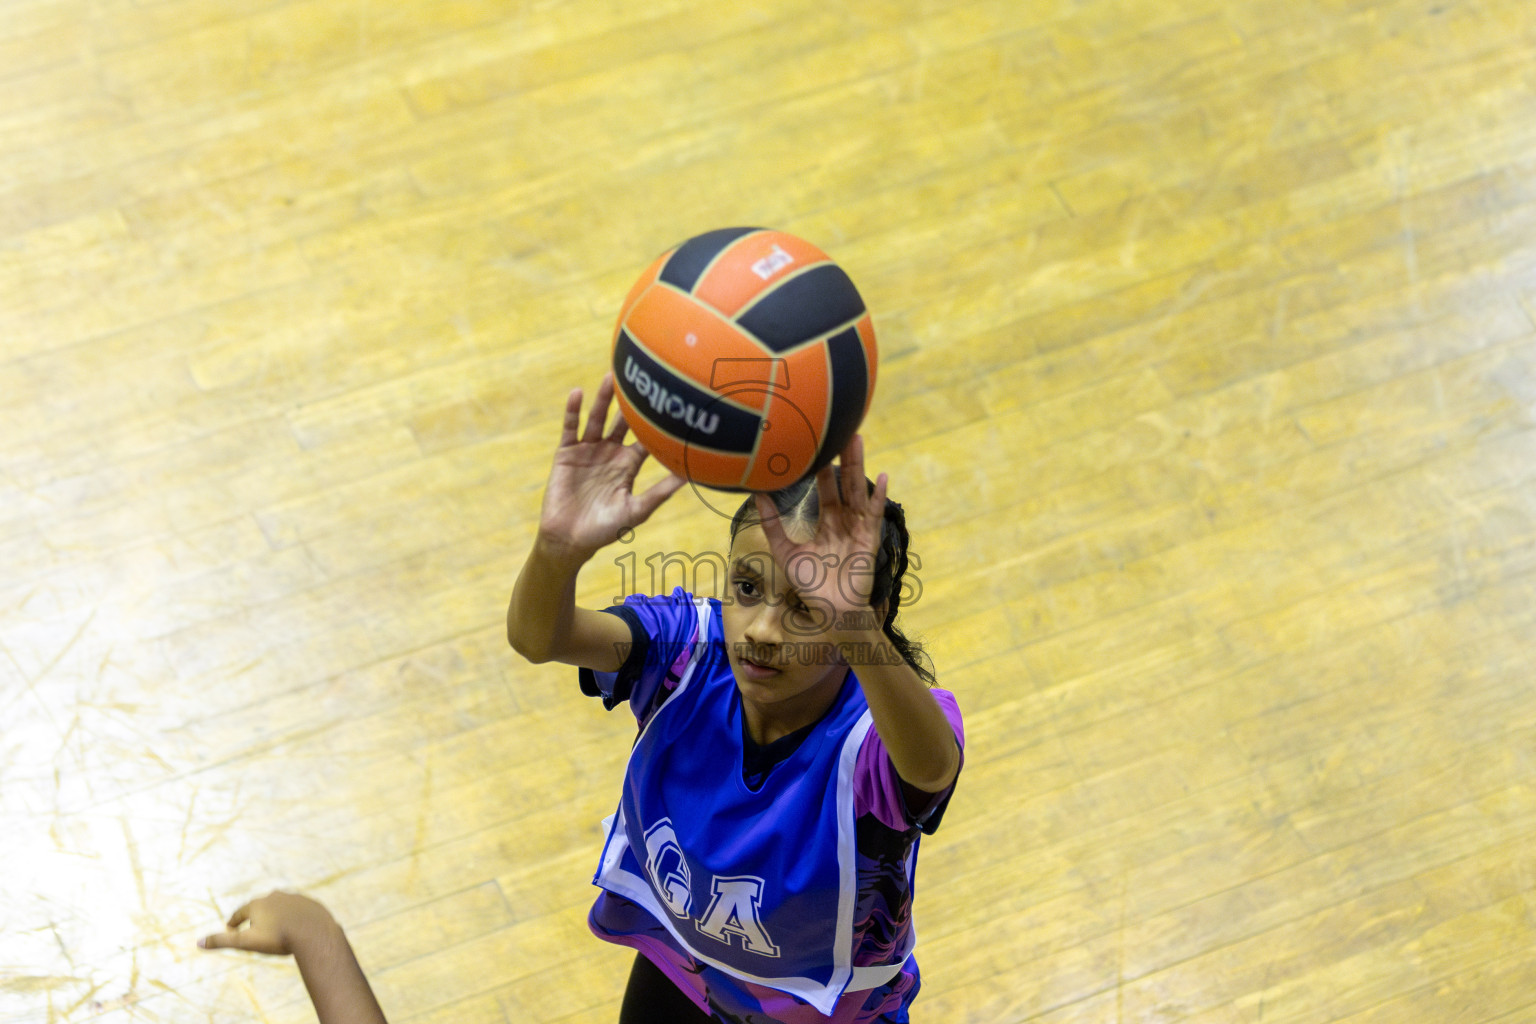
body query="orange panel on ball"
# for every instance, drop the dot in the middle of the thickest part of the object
(808, 390)
(786, 449)
(750, 266)
(664, 449)
(712, 469)
(697, 343)
(866, 329)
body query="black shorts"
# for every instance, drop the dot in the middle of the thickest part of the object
(652, 998)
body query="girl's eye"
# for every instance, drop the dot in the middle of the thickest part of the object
(746, 588)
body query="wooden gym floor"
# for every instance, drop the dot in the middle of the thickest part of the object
(1207, 380)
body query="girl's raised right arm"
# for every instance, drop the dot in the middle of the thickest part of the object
(588, 502)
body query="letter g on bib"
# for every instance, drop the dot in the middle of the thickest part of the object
(668, 869)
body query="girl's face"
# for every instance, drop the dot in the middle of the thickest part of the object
(782, 666)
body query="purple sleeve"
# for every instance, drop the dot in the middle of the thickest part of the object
(877, 789)
(664, 630)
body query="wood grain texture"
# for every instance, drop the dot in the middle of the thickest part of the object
(1208, 369)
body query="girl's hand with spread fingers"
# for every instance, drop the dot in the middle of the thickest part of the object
(590, 498)
(589, 502)
(833, 570)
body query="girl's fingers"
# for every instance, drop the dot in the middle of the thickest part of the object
(877, 500)
(240, 916)
(233, 936)
(620, 428)
(248, 940)
(826, 489)
(572, 418)
(599, 415)
(773, 527)
(657, 493)
(219, 940)
(852, 459)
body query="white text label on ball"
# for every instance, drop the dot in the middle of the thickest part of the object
(771, 264)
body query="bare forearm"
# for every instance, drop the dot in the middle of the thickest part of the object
(918, 737)
(335, 980)
(543, 600)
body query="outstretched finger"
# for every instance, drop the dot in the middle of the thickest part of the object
(773, 526)
(572, 418)
(218, 940)
(657, 493)
(827, 495)
(230, 938)
(855, 495)
(599, 415)
(620, 427)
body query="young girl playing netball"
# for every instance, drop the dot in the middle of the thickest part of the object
(790, 751)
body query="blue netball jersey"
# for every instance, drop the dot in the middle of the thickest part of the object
(755, 898)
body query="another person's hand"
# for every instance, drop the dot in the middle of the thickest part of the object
(287, 924)
(278, 924)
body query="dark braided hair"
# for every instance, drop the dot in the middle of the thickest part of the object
(798, 503)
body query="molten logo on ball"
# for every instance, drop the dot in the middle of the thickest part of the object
(666, 403)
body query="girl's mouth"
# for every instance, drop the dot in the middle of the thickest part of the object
(757, 672)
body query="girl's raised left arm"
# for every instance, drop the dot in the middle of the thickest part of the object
(916, 734)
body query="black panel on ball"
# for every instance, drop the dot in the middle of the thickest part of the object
(693, 256)
(850, 387)
(693, 415)
(804, 307)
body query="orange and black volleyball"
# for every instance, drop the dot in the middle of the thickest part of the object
(744, 359)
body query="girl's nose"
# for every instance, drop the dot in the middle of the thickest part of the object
(764, 626)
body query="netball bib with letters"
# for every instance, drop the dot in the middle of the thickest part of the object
(759, 883)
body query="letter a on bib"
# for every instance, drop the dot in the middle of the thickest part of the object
(736, 911)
